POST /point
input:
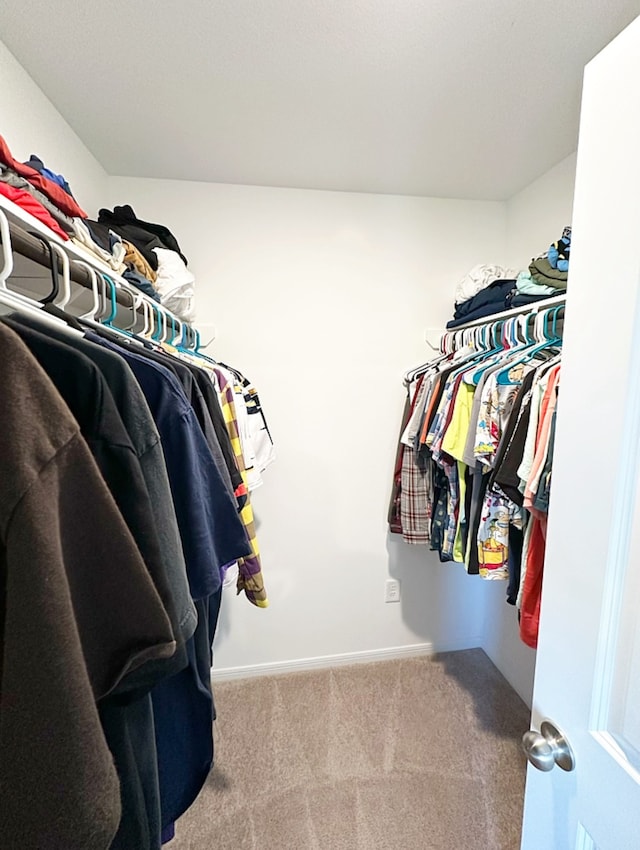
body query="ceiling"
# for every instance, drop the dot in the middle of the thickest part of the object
(443, 98)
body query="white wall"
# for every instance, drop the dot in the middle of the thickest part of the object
(337, 290)
(537, 214)
(30, 123)
(535, 218)
(323, 299)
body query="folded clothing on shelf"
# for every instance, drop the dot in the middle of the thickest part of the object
(494, 295)
(38, 165)
(112, 252)
(29, 204)
(501, 295)
(526, 285)
(135, 260)
(479, 278)
(12, 178)
(141, 283)
(521, 300)
(143, 234)
(56, 194)
(175, 284)
(543, 273)
(144, 253)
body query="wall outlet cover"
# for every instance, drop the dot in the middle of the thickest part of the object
(392, 590)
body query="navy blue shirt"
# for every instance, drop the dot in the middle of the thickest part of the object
(212, 532)
(212, 536)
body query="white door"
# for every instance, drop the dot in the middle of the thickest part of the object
(588, 668)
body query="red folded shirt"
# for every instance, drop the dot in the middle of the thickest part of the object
(28, 203)
(55, 193)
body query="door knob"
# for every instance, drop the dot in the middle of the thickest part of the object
(548, 747)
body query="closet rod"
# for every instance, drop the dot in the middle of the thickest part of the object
(29, 246)
(23, 243)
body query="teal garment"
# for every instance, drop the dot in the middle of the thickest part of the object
(527, 286)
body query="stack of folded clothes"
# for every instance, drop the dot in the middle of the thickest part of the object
(124, 258)
(487, 290)
(145, 254)
(153, 259)
(39, 191)
(106, 246)
(548, 273)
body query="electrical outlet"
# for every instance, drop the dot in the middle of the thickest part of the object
(392, 590)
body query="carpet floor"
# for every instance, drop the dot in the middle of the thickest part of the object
(415, 754)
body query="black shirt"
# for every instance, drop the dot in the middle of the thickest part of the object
(86, 393)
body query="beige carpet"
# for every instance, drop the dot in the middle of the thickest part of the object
(418, 754)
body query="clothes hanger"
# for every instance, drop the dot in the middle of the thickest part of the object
(188, 338)
(102, 309)
(175, 337)
(164, 324)
(103, 313)
(522, 354)
(499, 338)
(192, 339)
(487, 358)
(155, 336)
(196, 350)
(412, 374)
(15, 301)
(146, 311)
(547, 341)
(466, 354)
(125, 332)
(134, 303)
(90, 316)
(10, 297)
(159, 333)
(470, 344)
(53, 267)
(112, 296)
(66, 278)
(179, 336)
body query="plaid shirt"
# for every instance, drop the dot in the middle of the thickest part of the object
(415, 510)
(249, 569)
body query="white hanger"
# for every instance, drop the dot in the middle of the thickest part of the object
(66, 280)
(164, 326)
(7, 253)
(137, 302)
(15, 300)
(90, 316)
(148, 324)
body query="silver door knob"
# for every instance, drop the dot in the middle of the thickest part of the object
(548, 747)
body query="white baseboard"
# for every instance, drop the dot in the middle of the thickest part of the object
(272, 668)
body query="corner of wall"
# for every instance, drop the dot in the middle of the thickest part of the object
(536, 215)
(534, 218)
(41, 129)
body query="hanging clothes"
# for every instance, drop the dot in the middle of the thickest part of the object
(151, 431)
(71, 635)
(249, 568)
(127, 466)
(145, 235)
(475, 457)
